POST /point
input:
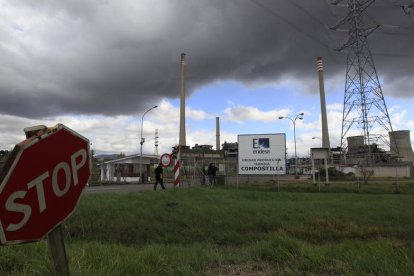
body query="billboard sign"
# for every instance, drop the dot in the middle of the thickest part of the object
(262, 153)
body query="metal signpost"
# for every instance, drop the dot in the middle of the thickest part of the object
(320, 153)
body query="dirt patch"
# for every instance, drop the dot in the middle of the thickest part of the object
(248, 269)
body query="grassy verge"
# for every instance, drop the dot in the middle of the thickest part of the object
(228, 231)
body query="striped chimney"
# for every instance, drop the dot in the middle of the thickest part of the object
(325, 132)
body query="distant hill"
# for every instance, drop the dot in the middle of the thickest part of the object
(106, 157)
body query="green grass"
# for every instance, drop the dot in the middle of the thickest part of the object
(221, 231)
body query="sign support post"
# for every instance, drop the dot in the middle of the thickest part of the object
(320, 153)
(177, 165)
(58, 251)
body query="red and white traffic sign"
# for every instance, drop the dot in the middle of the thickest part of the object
(43, 185)
(166, 160)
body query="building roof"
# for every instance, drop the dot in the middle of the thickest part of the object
(130, 157)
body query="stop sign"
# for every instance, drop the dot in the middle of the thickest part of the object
(43, 184)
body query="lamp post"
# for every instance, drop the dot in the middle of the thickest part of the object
(141, 179)
(300, 117)
(277, 165)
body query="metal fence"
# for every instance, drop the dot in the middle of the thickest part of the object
(194, 172)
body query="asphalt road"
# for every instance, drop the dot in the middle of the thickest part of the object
(124, 188)
(127, 188)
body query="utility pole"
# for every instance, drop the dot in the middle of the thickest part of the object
(364, 103)
(142, 141)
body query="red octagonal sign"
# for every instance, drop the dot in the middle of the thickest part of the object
(43, 185)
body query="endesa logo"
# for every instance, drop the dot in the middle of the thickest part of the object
(261, 145)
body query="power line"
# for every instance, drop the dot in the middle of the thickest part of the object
(307, 12)
(393, 55)
(388, 25)
(404, 56)
(327, 6)
(394, 34)
(288, 22)
(318, 41)
(314, 18)
(407, 8)
(293, 25)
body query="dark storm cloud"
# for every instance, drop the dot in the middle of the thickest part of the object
(107, 57)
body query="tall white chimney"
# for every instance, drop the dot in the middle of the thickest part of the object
(325, 132)
(182, 141)
(217, 133)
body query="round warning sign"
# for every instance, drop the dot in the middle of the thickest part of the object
(166, 160)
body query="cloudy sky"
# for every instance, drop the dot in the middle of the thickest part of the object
(98, 65)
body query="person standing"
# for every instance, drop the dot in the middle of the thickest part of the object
(158, 177)
(211, 171)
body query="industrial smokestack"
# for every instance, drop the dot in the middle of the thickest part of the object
(325, 132)
(217, 133)
(182, 141)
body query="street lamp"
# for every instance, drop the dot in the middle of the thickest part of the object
(277, 165)
(141, 179)
(300, 117)
(314, 138)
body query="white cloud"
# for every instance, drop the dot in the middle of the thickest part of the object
(307, 129)
(240, 114)
(167, 113)
(197, 115)
(335, 107)
(117, 134)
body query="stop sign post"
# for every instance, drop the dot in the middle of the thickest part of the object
(43, 184)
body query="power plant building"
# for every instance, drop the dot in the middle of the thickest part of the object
(400, 144)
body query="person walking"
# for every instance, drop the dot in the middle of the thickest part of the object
(211, 171)
(158, 177)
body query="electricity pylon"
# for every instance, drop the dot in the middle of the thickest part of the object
(365, 112)
(156, 142)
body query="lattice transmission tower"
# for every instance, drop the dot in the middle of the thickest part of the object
(156, 142)
(365, 112)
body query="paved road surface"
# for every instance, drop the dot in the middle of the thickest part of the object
(124, 188)
(119, 188)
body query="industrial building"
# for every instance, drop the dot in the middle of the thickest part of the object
(126, 169)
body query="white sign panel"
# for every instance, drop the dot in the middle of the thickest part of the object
(262, 153)
(320, 153)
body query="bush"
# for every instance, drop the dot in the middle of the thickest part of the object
(334, 174)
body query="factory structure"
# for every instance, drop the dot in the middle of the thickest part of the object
(365, 151)
(368, 139)
(356, 154)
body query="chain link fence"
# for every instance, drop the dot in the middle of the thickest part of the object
(194, 172)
